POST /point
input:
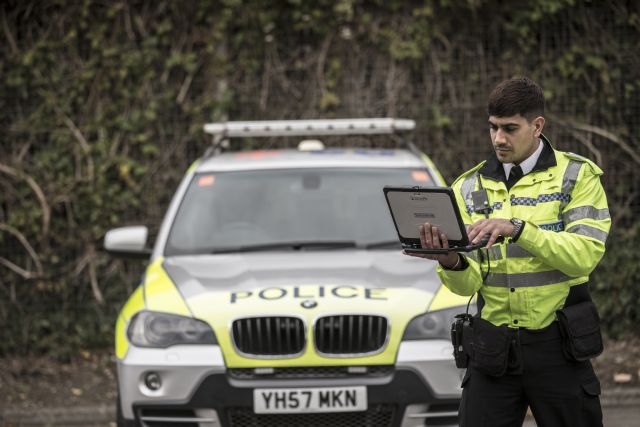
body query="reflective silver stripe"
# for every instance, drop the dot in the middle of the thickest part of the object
(515, 251)
(584, 212)
(587, 230)
(523, 280)
(467, 187)
(569, 179)
(495, 253)
(473, 255)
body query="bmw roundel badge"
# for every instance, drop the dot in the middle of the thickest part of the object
(309, 303)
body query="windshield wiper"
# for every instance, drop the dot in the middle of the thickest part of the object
(296, 246)
(383, 245)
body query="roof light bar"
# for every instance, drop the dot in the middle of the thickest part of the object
(310, 127)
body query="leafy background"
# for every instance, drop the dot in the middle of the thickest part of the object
(102, 105)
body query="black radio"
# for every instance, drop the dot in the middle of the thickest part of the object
(460, 327)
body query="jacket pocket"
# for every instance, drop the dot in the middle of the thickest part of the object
(592, 388)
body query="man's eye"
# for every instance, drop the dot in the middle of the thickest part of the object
(510, 129)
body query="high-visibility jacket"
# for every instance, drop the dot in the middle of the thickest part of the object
(567, 222)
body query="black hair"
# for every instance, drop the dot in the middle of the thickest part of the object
(516, 96)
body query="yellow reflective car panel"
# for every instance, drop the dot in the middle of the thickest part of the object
(432, 167)
(220, 309)
(193, 166)
(160, 292)
(134, 304)
(446, 299)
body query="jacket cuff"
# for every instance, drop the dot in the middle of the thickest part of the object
(527, 236)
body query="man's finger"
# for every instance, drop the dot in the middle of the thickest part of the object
(435, 237)
(472, 231)
(494, 238)
(445, 240)
(428, 236)
(423, 238)
(480, 232)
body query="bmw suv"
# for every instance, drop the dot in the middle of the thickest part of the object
(277, 294)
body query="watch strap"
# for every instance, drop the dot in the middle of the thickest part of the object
(518, 227)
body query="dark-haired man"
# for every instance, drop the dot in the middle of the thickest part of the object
(552, 211)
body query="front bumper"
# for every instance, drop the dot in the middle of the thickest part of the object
(423, 388)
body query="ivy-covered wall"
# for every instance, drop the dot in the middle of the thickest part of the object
(102, 106)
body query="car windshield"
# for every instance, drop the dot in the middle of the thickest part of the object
(288, 209)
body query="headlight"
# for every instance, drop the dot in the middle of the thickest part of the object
(436, 324)
(161, 330)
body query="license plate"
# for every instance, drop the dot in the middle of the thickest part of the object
(325, 399)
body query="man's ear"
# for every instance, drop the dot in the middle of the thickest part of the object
(538, 125)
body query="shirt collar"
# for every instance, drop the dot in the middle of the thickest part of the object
(528, 164)
(492, 168)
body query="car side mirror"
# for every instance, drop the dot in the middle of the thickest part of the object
(127, 242)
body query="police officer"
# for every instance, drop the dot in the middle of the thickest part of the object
(551, 210)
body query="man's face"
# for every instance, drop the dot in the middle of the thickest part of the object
(514, 138)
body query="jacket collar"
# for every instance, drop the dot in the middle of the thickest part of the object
(493, 169)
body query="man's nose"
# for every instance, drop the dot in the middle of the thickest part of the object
(499, 137)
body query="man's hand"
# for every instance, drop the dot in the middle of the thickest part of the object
(431, 238)
(495, 227)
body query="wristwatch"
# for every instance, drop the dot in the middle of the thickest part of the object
(518, 225)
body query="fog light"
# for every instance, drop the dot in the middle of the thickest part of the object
(152, 381)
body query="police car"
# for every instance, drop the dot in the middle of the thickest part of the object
(277, 293)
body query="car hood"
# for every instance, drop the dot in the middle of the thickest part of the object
(308, 285)
(248, 271)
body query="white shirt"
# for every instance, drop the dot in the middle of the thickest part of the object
(526, 165)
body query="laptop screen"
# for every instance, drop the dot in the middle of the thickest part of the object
(411, 207)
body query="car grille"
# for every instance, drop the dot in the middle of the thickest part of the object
(269, 336)
(313, 372)
(377, 416)
(350, 334)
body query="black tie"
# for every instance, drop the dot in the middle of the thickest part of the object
(514, 176)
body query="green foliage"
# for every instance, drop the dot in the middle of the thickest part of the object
(103, 104)
(439, 119)
(99, 99)
(615, 284)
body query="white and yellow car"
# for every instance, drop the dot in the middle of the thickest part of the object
(277, 294)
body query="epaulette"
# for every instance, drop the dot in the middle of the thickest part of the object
(469, 172)
(595, 169)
